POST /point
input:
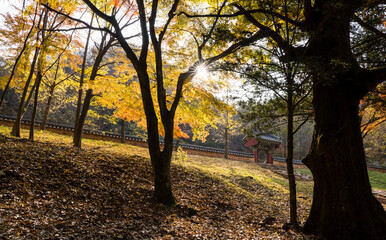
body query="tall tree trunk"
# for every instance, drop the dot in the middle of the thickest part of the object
(80, 90)
(17, 124)
(343, 206)
(28, 101)
(82, 118)
(39, 74)
(289, 159)
(103, 48)
(161, 166)
(122, 130)
(32, 125)
(226, 143)
(47, 109)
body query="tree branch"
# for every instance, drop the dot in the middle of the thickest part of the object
(118, 35)
(240, 13)
(245, 42)
(76, 20)
(267, 31)
(369, 27)
(371, 78)
(208, 36)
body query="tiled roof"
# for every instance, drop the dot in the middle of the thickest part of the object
(269, 138)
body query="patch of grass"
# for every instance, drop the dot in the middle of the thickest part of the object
(377, 180)
(304, 170)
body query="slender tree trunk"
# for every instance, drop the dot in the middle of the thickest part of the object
(226, 143)
(289, 159)
(32, 125)
(177, 145)
(122, 130)
(28, 101)
(80, 90)
(47, 109)
(39, 74)
(82, 119)
(18, 58)
(343, 205)
(17, 125)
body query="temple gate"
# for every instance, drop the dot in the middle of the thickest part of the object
(262, 142)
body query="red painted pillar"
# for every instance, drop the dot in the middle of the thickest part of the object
(256, 154)
(269, 157)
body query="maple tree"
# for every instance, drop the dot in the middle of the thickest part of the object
(161, 159)
(40, 42)
(6, 32)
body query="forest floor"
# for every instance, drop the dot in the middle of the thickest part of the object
(50, 190)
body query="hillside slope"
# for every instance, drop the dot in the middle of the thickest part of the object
(105, 192)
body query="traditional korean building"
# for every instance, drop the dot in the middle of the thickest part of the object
(262, 142)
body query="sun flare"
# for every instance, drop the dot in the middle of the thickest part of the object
(201, 71)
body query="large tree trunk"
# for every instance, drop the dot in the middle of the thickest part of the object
(160, 160)
(343, 205)
(161, 167)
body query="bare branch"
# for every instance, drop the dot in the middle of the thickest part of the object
(267, 31)
(245, 42)
(369, 27)
(208, 36)
(370, 79)
(171, 15)
(118, 35)
(77, 20)
(304, 121)
(240, 13)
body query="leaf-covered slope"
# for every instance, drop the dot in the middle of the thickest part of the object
(54, 191)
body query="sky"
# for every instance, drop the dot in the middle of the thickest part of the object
(6, 7)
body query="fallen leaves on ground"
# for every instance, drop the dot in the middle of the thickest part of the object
(51, 191)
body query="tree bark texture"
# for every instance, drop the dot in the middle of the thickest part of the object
(289, 159)
(343, 205)
(82, 118)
